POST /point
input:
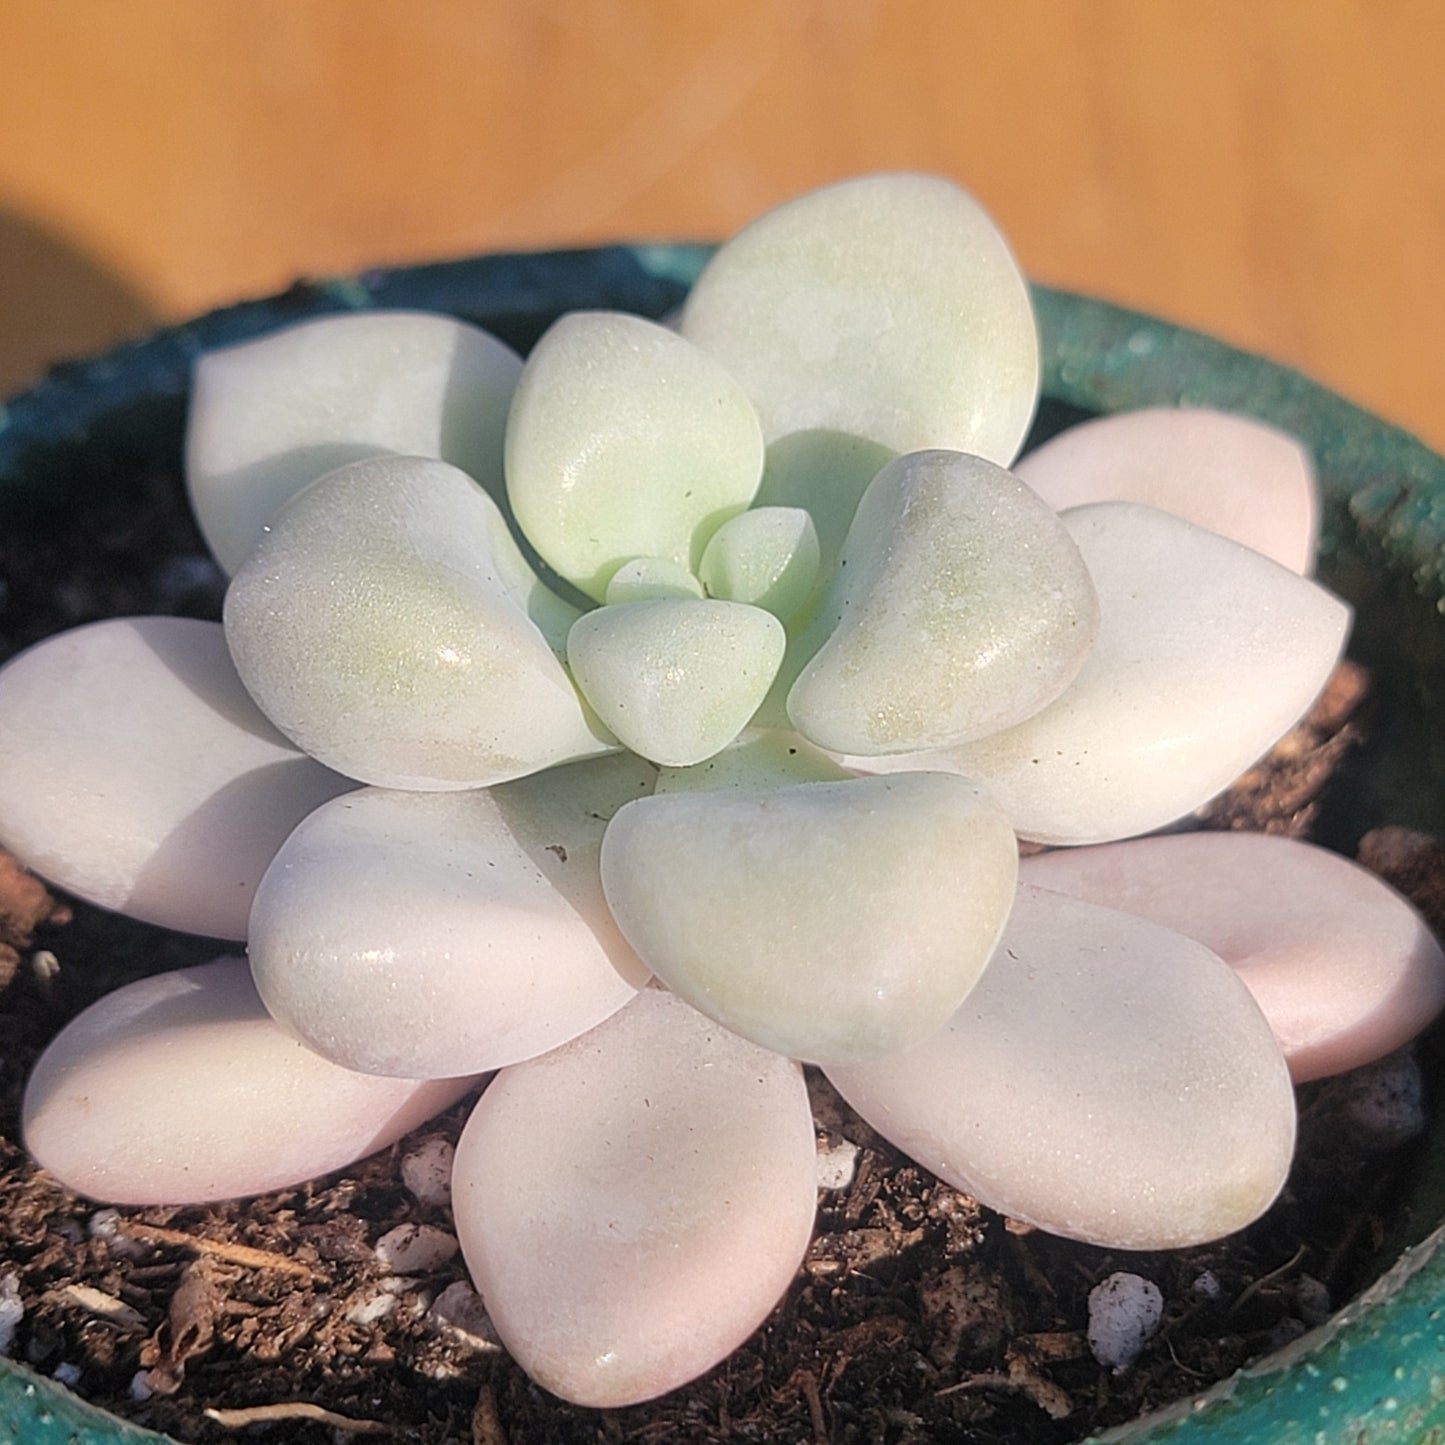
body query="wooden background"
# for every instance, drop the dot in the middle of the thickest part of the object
(1269, 170)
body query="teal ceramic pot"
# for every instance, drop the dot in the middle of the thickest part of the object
(1376, 1372)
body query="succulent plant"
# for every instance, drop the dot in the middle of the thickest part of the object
(728, 656)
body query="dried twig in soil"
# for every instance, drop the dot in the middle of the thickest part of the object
(242, 1254)
(300, 1410)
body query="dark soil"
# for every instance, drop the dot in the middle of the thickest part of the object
(918, 1315)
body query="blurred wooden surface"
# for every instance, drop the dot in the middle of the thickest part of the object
(1272, 171)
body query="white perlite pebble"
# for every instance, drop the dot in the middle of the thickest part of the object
(887, 307)
(632, 1205)
(832, 922)
(415, 1249)
(430, 934)
(1106, 1080)
(388, 625)
(1376, 1108)
(1125, 1312)
(1232, 474)
(374, 1307)
(626, 441)
(1205, 1285)
(181, 1089)
(1343, 967)
(837, 1162)
(675, 679)
(1207, 654)
(459, 1310)
(960, 607)
(269, 416)
(136, 773)
(12, 1310)
(427, 1172)
(104, 1224)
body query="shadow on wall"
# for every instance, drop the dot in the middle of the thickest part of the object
(56, 303)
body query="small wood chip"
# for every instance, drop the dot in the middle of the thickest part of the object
(1059, 1344)
(25, 902)
(486, 1422)
(103, 1306)
(241, 1254)
(1022, 1379)
(1052, 1400)
(193, 1310)
(809, 1386)
(867, 1181)
(300, 1410)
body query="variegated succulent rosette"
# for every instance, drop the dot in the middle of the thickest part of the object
(731, 656)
